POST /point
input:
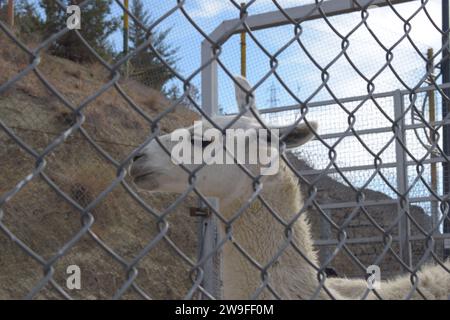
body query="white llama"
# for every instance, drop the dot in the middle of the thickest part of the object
(257, 232)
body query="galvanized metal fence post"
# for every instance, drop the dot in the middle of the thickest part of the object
(210, 100)
(432, 119)
(404, 230)
(325, 233)
(208, 239)
(209, 232)
(445, 70)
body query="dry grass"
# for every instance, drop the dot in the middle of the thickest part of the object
(44, 221)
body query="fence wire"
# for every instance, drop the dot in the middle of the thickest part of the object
(360, 228)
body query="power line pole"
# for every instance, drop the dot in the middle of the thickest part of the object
(273, 101)
(432, 118)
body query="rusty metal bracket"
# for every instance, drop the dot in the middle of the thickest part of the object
(200, 212)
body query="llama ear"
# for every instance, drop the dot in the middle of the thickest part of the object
(295, 137)
(241, 95)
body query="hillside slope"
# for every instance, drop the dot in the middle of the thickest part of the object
(44, 221)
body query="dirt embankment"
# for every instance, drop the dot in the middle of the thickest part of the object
(44, 221)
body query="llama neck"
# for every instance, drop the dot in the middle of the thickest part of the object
(262, 237)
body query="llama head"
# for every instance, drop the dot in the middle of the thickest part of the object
(216, 148)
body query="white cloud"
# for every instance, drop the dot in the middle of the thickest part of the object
(214, 8)
(268, 4)
(209, 9)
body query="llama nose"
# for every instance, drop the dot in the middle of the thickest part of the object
(138, 156)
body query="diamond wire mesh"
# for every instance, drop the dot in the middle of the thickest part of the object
(304, 112)
(356, 165)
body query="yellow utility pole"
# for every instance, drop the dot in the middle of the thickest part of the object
(11, 13)
(243, 50)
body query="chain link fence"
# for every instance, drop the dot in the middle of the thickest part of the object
(373, 181)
